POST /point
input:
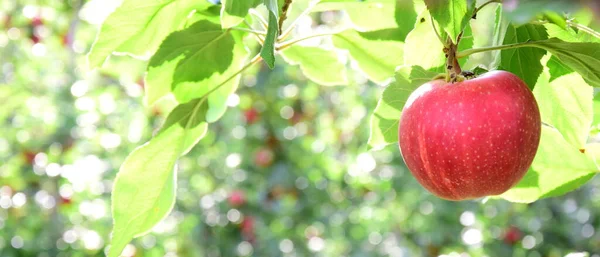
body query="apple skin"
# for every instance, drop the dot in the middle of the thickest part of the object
(470, 139)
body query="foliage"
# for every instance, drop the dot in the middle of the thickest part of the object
(295, 149)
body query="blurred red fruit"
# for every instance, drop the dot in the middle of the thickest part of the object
(251, 115)
(141, 83)
(65, 200)
(512, 235)
(67, 40)
(37, 21)
(247, 227)
(29, 157)
(297, 117)
(263, 157)
(237, 198)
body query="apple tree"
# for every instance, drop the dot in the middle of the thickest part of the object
(197, 52)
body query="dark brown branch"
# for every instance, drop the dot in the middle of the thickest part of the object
(284, 10)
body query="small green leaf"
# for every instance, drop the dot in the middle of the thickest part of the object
(234, 11)
(558, 168)
(144, 189)
(422, 46)
(140, 36)
(556, 18)
(451, 15)
(523, 62)
(377, 58)
(319, 65)
(193, 61)
(385, 118)
(268, 49)
(567, 104)
(583, 58)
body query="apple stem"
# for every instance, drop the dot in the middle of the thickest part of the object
(452, 65)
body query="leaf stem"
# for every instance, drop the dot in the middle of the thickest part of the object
(255, 32)
(483, 5)
(468, 52)
(261, 20)
(584, 28)
(260, 38)
(254, 60)
(436, 31)
(291, 42)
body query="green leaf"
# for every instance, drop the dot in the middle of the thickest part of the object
(451, 15)
(361, 13)
(319, 65)
(422, 46)
(234, 11)
(596, 120)
(268, 49)
(377, 58)
(593, 151)
(192, 62)
(523, 11)
(556, 18)
(523, 62)
(583, 58)
(500, 28)
(569, 34)
(141, 35)
(558, 168)
(557, 68)
(385, 118)
(144, 189)
(567, 104)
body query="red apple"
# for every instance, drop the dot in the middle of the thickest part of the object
(512, 235)
(252, 115)
(470, 139)
(29, 157)
(237, 198)
(264, 157)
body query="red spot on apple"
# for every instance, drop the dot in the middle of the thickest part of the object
(512, 235)
(237, 198)
(264, 157)
(470, 139)
(252, 115)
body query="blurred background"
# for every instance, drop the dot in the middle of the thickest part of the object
(285, 172)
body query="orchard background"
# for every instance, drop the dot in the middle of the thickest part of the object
(294, 155)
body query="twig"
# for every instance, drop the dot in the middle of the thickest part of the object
(284, 10)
